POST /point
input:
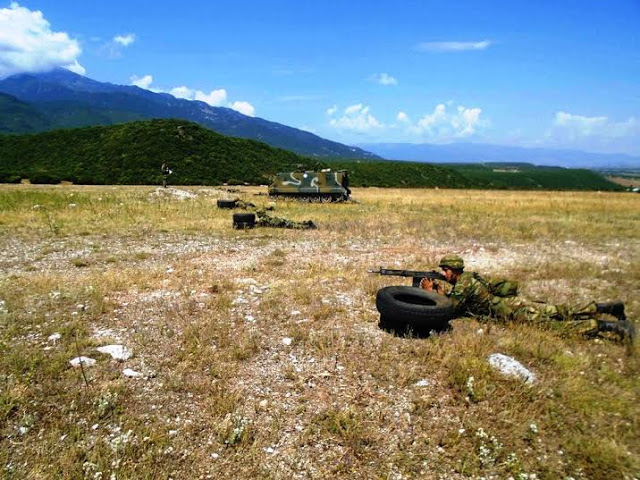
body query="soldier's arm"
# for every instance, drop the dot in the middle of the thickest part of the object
(436, 285)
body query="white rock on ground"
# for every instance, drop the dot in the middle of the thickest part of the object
(54, 337)
(85, 361)
(117, 352)
(510, 366)
(127, 372)
(175, 192)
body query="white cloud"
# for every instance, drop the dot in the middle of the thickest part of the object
(243, 107)
(594, 133)
(402, 117)
(124, 40)
(442, 125)
(143, 82)
(27, 43)
(453, 46)
(355, 118)
(183, 92)
(114, 47)
(75, 67)
(383, 79)
(355, 109)
(580, 126)
(331, 110)
(215, 98)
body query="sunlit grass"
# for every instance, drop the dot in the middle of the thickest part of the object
(260, 351)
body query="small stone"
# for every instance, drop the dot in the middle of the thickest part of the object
(423, 383)
(117, 352)
(510, 366)
(85, 361)
(287, 341)
(127, 372)
(54, 337)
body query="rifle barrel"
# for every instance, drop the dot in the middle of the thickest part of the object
(409, 273)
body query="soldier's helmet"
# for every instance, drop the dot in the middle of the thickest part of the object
(452, 261)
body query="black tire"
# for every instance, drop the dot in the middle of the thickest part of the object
(244, 220)
(227, 203)
(414, 306)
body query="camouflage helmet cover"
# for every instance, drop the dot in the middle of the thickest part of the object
(452, 261)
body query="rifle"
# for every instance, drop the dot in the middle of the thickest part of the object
(417, 275)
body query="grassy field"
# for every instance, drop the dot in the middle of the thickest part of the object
(259, 351)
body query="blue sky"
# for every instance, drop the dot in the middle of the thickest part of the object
(561, 74)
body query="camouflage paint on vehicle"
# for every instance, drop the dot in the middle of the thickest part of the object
(325, 185)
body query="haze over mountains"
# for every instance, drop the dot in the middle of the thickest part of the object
(485, 153)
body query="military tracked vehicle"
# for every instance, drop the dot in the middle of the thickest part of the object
(312, 186)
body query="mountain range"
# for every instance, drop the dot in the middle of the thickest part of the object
(486, 153)
(36, 102)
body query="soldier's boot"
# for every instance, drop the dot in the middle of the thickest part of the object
(623, 328)
(612, 308)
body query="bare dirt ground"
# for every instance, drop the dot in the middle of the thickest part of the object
(257, 354)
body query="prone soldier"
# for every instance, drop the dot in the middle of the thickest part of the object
(472, 294)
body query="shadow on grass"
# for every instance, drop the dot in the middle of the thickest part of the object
(406, 330)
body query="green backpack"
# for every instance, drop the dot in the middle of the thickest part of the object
(504, 288)
(500, 287)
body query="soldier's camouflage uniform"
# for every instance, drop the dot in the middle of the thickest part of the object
(245, 205)
(266, 220)
(471, 296)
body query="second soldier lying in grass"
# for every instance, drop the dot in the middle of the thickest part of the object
(472, 294)
(266, 220)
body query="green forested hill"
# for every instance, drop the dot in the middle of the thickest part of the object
(133, 153)
(522, 176)
(19, 116)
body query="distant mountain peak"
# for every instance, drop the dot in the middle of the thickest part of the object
(69, 100)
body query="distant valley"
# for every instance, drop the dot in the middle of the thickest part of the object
(485, 153)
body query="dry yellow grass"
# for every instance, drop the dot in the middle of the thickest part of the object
(260, 352)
